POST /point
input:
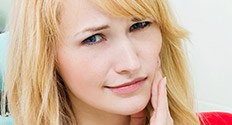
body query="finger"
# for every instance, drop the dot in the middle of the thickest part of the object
(154, 92)
(138, 118)
(160, 116)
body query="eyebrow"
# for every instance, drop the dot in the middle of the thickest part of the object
(101, 27)
(93, 29)
(135, 19)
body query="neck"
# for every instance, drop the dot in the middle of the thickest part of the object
(88, 115)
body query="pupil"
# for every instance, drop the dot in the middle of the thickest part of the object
(93, 39)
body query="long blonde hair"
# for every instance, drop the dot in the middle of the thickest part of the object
(34, 88)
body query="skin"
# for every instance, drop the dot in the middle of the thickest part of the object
(160, 115)
(127, 48)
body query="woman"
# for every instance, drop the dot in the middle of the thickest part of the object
(96, 62)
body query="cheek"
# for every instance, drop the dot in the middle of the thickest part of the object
(150, 50)
(81, 74)
(149, 42)
(73, 75)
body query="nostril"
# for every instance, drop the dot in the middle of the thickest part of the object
(127, 61)
(128, 67)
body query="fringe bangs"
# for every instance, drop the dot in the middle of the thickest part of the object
(140, 9)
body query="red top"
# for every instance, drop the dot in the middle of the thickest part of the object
(215, 118)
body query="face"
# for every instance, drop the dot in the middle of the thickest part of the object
(107, 63)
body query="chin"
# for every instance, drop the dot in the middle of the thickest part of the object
(132, 106)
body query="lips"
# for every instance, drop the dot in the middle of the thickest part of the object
(128, 87)
(129, 83)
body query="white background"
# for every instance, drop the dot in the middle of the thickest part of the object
(210, 50)
(4, 9)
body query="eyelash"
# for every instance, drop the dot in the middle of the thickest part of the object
(93, 37)
(142, 25)
(134, 27)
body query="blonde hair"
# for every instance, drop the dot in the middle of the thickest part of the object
(34, 88)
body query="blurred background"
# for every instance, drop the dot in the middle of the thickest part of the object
(4, 12)
(209, 48)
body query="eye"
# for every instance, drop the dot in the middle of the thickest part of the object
(94, 39)
(139, 25)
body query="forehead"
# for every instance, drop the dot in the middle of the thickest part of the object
(79, 13)
(81, 9)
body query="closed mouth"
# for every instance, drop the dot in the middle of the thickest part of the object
(128, 83)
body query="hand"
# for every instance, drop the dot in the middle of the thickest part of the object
(160, 114)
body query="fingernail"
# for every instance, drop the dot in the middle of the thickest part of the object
(165, 85)
(165, 80)
(158, 64)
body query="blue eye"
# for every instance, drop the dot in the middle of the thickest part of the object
(139, 25)
(94, 39)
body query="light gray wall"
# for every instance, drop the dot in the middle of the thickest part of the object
(209, 49)
(4, 12)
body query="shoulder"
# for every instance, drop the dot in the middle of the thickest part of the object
(215, 118)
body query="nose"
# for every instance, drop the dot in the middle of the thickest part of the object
(127, 58)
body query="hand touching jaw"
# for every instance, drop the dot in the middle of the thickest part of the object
(160, 114)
